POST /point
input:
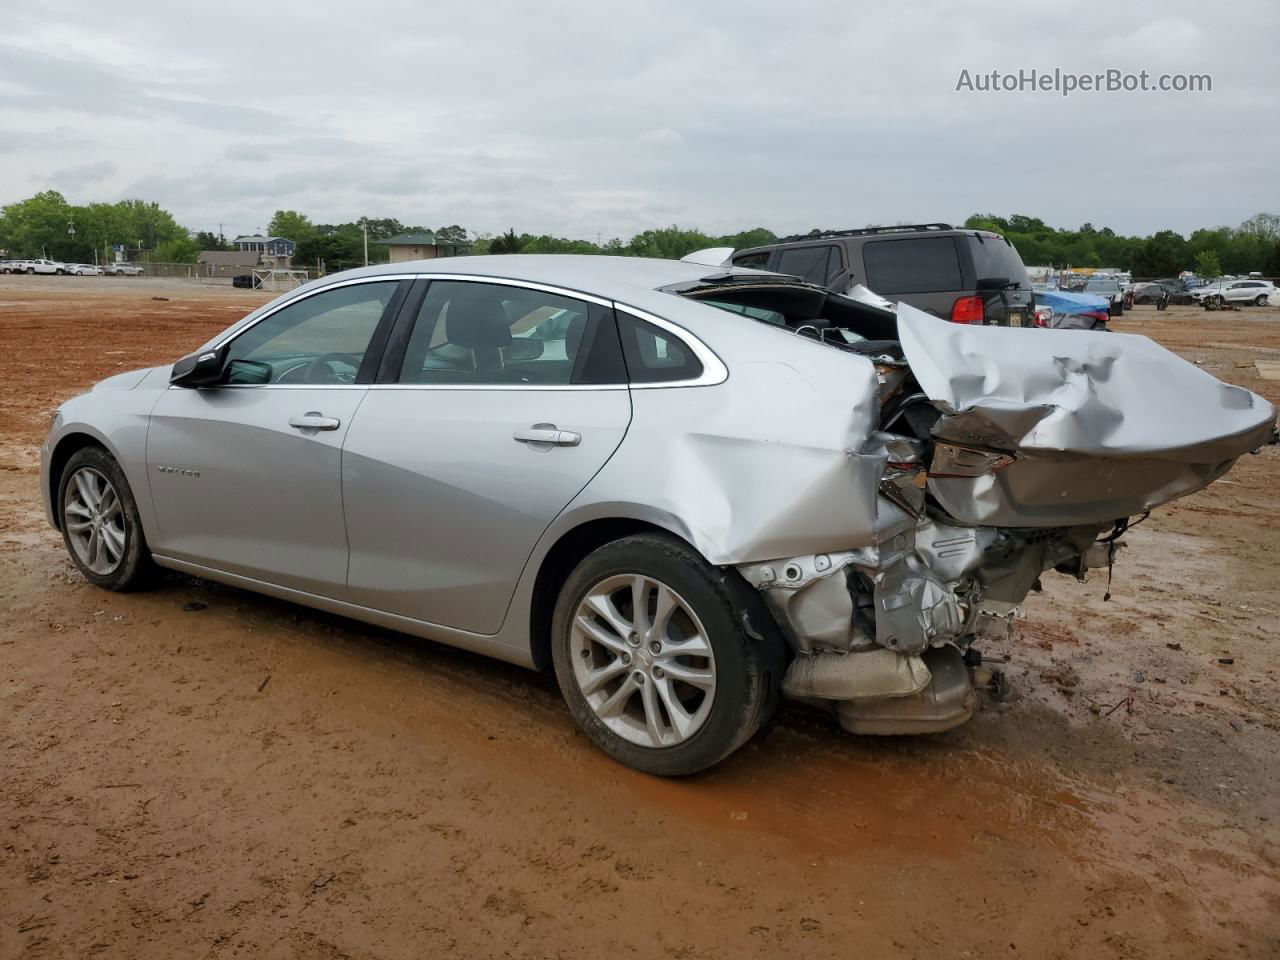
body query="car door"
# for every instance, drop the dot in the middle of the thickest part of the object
(245, 476)
(497, 403)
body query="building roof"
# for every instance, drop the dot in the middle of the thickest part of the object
(424, 239)
(259, 238)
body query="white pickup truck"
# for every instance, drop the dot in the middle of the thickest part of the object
(33, 266)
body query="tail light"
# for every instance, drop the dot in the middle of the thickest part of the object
(967, 310)
(952, 460)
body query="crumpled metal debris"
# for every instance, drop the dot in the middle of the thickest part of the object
(1105, 425)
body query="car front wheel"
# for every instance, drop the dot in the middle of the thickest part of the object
(660, 657)
(100, 523)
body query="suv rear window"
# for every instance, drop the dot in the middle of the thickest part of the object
(917, 265)
(814, 264)
(995, 257)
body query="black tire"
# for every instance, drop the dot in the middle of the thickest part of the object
(30, 270)
(748, 649)
(1260, 300)
(134, 567)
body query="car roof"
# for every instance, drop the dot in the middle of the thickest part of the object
(603, 276)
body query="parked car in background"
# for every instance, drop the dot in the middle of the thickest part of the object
(1257, 292)
(41, 265)
(1073, 311)
(8, 266)
(687, 492)
(1110, 291)
(123, 270)
(965, 276)
(84, 270)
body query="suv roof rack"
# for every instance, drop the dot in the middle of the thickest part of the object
(867, 231)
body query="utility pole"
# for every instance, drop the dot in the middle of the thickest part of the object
(365, 228)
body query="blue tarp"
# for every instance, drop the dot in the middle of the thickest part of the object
(1069, 303)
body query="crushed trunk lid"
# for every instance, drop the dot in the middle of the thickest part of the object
(1100, 425)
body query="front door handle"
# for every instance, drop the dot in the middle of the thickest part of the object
(315, 421)
(549, 434)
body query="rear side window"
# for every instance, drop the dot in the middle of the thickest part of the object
(917, 265)
(815, 264)
(480, 334)
(653, 355)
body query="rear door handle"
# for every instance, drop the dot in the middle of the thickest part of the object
(315, 421)
(548, 433)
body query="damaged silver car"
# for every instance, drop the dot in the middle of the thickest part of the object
(686, 490)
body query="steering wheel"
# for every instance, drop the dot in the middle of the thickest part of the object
(320, 370)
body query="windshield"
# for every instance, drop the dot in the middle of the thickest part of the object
(1101, 286)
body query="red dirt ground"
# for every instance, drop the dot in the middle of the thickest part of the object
(256, 779)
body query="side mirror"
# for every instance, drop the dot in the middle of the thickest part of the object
(200, 369)
(247, 371)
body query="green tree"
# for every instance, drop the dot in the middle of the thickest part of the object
(206, 240)
(291, 225)
(38, 226)
(176, 250)
(1163, 254)
(1207, 264)
(451, 234)
(506, 243)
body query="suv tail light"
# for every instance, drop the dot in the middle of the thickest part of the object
(953, 460)
(967, 310)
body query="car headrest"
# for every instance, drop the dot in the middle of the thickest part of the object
(477, 320)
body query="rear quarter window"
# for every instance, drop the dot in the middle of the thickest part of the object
(916, 265)
(653, 355)
(995, 257)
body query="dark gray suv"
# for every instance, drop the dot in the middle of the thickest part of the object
(966, 276)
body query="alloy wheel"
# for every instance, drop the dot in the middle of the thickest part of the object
(642, 660)
(95, 521)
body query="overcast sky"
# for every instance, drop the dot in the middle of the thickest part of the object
(597, 118)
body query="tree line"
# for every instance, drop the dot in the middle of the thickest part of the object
(47, 225)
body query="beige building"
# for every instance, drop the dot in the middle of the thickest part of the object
(420, 246)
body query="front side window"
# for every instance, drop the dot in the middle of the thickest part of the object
(917, 265)
(321, 339)
(488, 333)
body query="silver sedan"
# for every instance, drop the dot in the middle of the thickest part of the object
(687, 490)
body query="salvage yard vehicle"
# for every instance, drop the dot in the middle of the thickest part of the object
(965, 276)
(1257, 292)
(1073, 311)
(84, 270)
(1110, 291)
(686, 490)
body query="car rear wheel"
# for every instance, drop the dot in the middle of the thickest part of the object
(31, 270)
(1260, 300)
(660, 658)
(100, 523)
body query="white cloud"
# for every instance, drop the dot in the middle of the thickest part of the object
(590, 119)
(661, 136)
